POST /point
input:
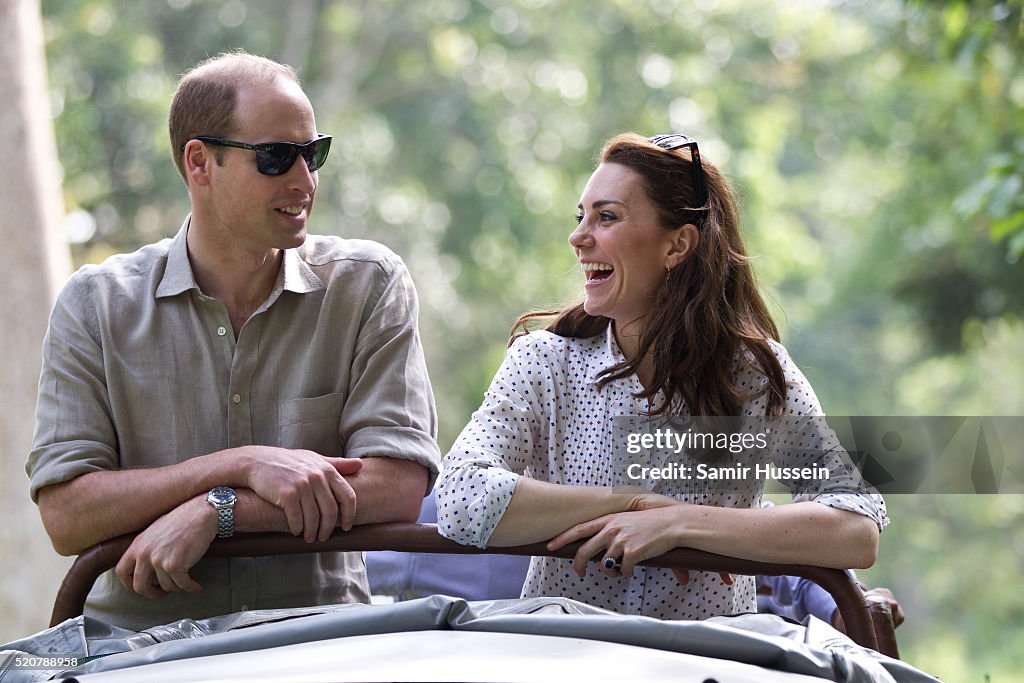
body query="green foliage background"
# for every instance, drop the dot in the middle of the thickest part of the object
(877, 145)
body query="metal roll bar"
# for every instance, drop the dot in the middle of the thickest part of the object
(869, 625)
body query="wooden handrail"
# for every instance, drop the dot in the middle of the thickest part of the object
(859, 619)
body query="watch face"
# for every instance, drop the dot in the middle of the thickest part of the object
(221, 495)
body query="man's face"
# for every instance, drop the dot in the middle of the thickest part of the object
(256, 211)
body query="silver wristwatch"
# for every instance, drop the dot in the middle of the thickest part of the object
(223, 500)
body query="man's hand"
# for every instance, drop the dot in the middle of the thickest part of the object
(310, 488)
(159, 559)
(879, 594)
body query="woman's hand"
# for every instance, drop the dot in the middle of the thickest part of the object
(629, 537)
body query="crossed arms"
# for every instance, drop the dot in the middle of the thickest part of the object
(278, 489)
(638, 526)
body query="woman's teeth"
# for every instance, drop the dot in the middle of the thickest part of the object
(597, 271)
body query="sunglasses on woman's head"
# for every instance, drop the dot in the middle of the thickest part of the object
(675, 141)
(276, 158)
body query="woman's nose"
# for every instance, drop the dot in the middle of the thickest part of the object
(580, 237)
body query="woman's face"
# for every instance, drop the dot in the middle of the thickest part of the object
(622, 247)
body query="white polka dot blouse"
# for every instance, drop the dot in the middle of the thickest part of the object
(545, 417)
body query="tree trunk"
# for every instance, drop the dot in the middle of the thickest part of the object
(36, 257)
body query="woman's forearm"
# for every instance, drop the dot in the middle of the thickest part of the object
(797, 533)
(540, 510)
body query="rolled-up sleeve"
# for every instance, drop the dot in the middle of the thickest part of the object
(480, 472)
(804, 442)
(74, 431)
(390, 408)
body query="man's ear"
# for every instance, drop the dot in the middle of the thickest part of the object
(683, 244)
(197, 160)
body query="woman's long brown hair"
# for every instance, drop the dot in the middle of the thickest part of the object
(707, 315)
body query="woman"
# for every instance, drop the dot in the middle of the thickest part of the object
(671, 324)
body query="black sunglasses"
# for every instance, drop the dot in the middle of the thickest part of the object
(276, 158)
(677, 140)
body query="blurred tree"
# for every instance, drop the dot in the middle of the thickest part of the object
(37, 260)
(466, 130)
(966, 265)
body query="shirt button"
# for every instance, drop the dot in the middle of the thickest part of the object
(222, 330)
(236, 398)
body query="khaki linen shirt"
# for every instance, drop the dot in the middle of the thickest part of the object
(141, 369)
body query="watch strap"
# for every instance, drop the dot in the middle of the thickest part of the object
(225, 521)
(223, 500)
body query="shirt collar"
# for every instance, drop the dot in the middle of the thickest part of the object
(295, 274)
(178, 276)
(607, 354)
(298, 277)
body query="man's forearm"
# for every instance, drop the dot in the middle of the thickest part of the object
(94, 507)
(98, 506)
(388, 490)
(253, 514)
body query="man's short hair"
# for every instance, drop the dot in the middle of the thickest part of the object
(204, 101)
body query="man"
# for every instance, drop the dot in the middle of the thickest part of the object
(238, 377)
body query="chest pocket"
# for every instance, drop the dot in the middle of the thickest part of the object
(312, 424)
